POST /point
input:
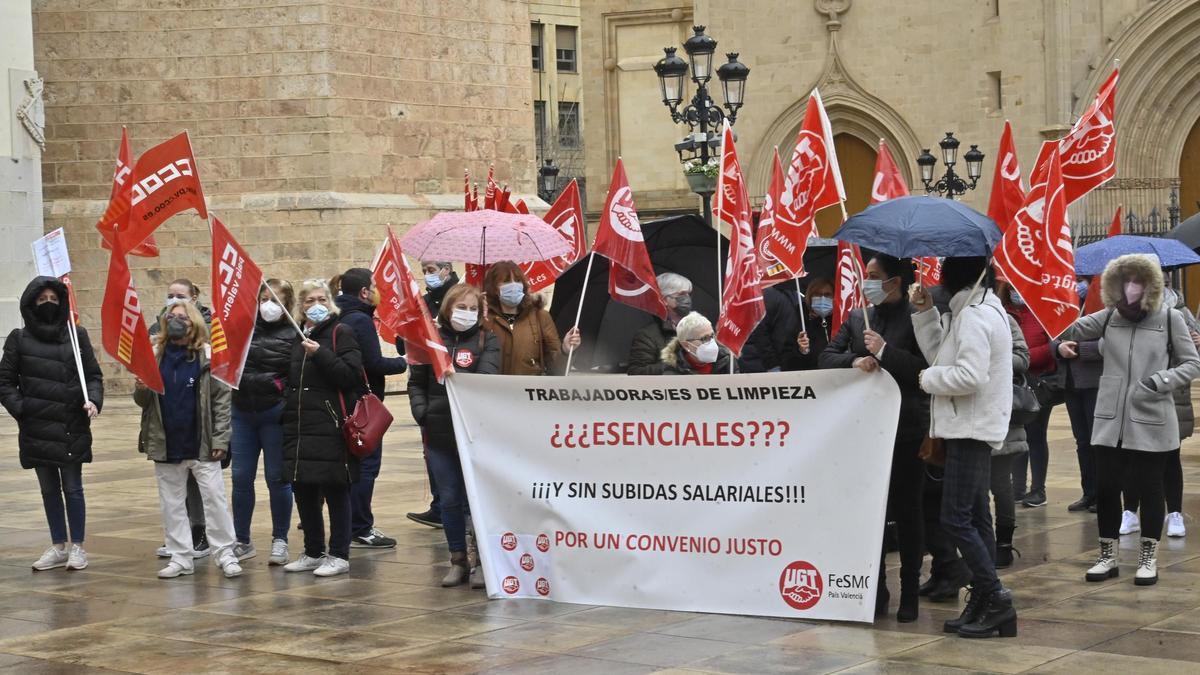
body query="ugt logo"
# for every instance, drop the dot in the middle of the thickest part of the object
(800, 585)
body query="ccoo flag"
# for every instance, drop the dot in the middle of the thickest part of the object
(122, 326)
(405, 313)
(236, 281)
(118, 202)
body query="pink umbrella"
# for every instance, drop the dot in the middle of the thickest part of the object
(484, 237)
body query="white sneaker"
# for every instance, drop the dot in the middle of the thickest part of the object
(303, 564)
(77, 559)
(232, 569)
(279, 552)
(53, 557)
(1130, 523)
(332, 566)
(244, 551)
(174, 569)
(162, 552)
(1175, 526)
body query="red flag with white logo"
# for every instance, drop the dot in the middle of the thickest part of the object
(741, 299)
(1008, 194)
(566, 216)
(619, 238)
(405, 313)
(122, 326)
(117, 205)
(490, 192)
(773, 271)
(235, 283)
(813, 182)
(888, 182)
(1089, 152)
(1036, 254)
(847, 284)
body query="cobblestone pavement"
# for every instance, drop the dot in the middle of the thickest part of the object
(390, 615)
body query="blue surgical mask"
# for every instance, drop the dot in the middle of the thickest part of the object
(317, 313)
(873, 289)
(433, 281)
(1081, 287)
(1016, 299)
(822, 305)
(512, 293)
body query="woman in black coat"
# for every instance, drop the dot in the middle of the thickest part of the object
(472, 350)
(891, 345)
(325, 381)
(39, 387)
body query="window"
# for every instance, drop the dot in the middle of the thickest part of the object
(995, 91)
(568, 125)
(539, 125)
(535, 39)
(564, 52)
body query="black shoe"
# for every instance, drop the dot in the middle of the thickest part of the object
(997, 615)
(1082, 504)
(930, 584)
(200, 545)
(428, 518)
(1034, 499)
(882, 598)
(373, 539)
(1019, 497)
(1004, 555)
(1092, 507)
(971, 613)
(947, 590)
(908, 608)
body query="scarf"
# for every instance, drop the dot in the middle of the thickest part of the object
(1132, 312)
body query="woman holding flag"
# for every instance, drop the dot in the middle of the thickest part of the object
(529, 343)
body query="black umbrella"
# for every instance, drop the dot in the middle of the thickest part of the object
(1188, 232)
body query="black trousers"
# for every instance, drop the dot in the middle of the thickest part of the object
(904, 507)
(1172, 486)
(308, 503)
(1143, 473)
(1002, 493)
(946, 563)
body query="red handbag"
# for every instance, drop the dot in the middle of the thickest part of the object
(364, 428)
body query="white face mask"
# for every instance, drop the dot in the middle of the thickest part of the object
(463, 319)
(707, 352)
(1133, 291)
(270, 311)
(873, 289)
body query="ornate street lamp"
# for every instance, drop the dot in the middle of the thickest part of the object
(548, 174)
(950, 185)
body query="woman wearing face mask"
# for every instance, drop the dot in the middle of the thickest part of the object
(890, 345)
(645, 351)
(472, 350)
(818, 308)
(185, 431)
(257, 407)
(325, 377)
(694, 350)
(182, 290)
(529, 343)
(1148, 354)
(1042, 367)
(39, 387)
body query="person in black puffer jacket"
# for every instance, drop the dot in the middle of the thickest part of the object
(39, 387)
(772, 343)
(257, 407)
(325, 381)
(472, 350)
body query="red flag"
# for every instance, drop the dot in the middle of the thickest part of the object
(773, 271)
(619, 238)
(520, 206)
(813, 182)
(929, 271)
(566, 216)
(468, 205)
(1036, 253)
(489, 195)
(235, 283)
(164, 182)
(119, 204)
(847, 291)
(403, 310)
(1089, 152)
(1007, 192)
(741, 300)
(475, 197)
(122, 325)
(889, 182)
(502, 200)
(475, 274)
(1115, 228)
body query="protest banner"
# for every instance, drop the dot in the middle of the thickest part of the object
(731, 494)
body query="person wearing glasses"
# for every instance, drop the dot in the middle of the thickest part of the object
(694, 350)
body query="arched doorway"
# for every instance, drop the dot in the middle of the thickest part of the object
(857, 161)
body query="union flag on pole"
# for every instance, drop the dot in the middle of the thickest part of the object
(468, 204)
(490, 193)
(122, 326)
(741, 300)
(1036, 253)
(1089, 152)
(1008, 194)
(619, 238)
(236, 281)
(847, 291)
(888, 182)
(1115, 227)
(405, 313)
(813, 182)
(566, 216)
(772, 271)
(118, 202)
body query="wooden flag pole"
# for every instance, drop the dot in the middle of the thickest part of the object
(579, 311)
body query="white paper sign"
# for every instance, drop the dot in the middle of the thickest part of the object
(50, 255)
(744, 494)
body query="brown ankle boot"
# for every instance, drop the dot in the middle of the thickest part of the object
(460, 570)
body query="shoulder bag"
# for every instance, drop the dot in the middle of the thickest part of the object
(364, 428)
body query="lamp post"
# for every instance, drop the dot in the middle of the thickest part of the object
(547, 180)
(951, 184)
(702, 115)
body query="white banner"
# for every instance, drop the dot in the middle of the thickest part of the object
(742, 494)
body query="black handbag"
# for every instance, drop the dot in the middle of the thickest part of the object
(1025, 403)
(1049, 389)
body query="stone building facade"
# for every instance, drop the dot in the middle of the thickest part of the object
(314, 122)
(557, 87)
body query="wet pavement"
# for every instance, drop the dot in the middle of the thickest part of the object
(390, 615)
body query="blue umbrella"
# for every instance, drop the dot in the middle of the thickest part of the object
(911, 227)
(1172, 253)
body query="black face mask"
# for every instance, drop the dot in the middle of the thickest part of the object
(46, 312)
(683, 306)
(176, 328)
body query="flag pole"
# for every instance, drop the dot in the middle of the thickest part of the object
(800, 305)
(73, 334)
(579, 311)
(858, 272)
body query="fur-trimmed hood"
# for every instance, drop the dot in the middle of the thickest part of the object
(1139, 265)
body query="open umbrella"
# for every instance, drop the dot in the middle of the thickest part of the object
(1188, 232)
(1172, 254)
(913, 227)
(484, 237)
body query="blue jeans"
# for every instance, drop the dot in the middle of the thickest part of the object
(1038, 458)
(253, 432)
(452, 492)
(362, 520)
(1081, 407)
(966, 517)
(58, 482)
(434, 503)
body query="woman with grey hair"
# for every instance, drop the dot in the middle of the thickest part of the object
(694, 350)
(645, 354)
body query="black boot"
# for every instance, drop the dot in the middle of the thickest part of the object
(970, 613)
(947, 590)
(930, 584)
(1004, 547)
(909, 604)
(882, 598)
(996, 616)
